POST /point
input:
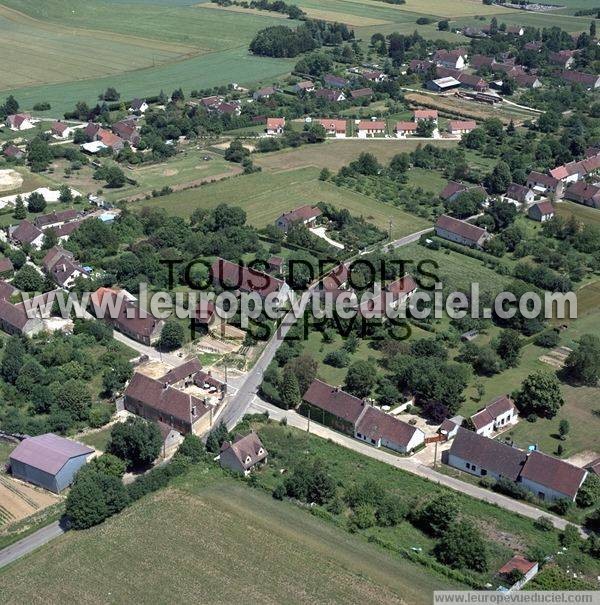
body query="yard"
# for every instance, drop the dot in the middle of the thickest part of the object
(264, 196)
(280, 554)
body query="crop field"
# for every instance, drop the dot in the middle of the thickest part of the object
(265, 196)
(338, 153)
(279, 553)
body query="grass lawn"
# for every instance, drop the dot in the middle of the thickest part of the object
(264, 196)
(6, 447)
(338, 153)
(98, 439)
(589, 216)
(279, 553)
(428, 180)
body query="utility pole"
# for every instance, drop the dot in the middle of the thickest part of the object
(308, 425)
(390, 230)
(435, 455)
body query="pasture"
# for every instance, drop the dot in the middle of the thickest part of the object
(265, 196)
(278, 554)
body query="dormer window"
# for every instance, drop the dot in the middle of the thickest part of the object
(248, 459)
(261, 451)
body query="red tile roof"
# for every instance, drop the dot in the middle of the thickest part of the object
(425, 114)
(463, 124)
(371, 125)
(275, 123)
(244, 279)
(329, 124)
(517, 562)
(452, 188)
(405, 126)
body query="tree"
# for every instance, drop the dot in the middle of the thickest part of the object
(425, 128)
(589, 492)
(443, 25)
(13, 359)
(171, 336)
(289, 391)
(39, 154)
(304, 367)
(115, 376)
(499, 179)
(236, 152)
(28, 279)
(110, 94)
(109, 465)
(216, 438)
(11, 106)
(360, 378)
(540, 395)
(136, 441)
(74, 397)
(115, 177)
(86, 505)
(462, 546)
(50, 239)
(362, 517)
(508, 346)
(192, 448)
(592, 29)
(563, 429)
(36, 202)
(20, 212)
(65, 195)
(583, 363)
(438, 514)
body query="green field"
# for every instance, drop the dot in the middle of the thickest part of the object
(265, 196)
(589, 216)
(98, 439)
(213, 545)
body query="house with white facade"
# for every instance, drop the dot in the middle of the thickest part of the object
(371, 128)
(497, 415)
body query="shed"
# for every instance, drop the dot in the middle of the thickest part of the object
(49, 461)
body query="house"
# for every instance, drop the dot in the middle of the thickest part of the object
(160, 402)
(473, 32)
(391, 297)
(228, 275)
(481, 61)
(127, 130)
(139, 106)
(210, 102)
(6, 290)
(65, 271)
(276, 264)
(498, 414)
(584, 193)
(443, 84)
(420, 66)
(264, 93)
(383, 430)
(14, 153)
(472, 81)
(333, 127)
(54, 255)
(124, 315)
(63, 232)
(402, 129)
(544, 183)
(541, 212)
(461, 232)
(6, 267)
(375, 76)
(243, 454)
(361, 93)
(14, 319)
(48, 461)
(562, 58)
(569, 172)
(20, 121)
(91, 131)
(449, 427)
(275, 126)
(307, 215)
(519, 194)
(459, 127)
(371, 128)
(547, 477)
(182, 375)
(26, 233)
(61, 130)
(333, 407)
(171, 438)
(515, 30)
(333, 96)
(455, 59)
(425, 114)
(528, 569)
(335, 81)
(527, 81)
(56, 219)
(337, 278)
(588, 81)
(232, 108)
(108, 138)
(452, 190)
(304, 86)
(594, 467)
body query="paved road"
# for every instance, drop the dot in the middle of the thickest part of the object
(407, 464)
(30, 543)
(171, 358)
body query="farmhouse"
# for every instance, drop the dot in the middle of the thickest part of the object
(381, 429)
(333, 96)
(139, 106)
(425, 114)
(56, 219)
(182, 375)
(108, 138)
(371, 128)
(449, 427)
(584, 193)
(61, 130)
(588, 81)
(497, 415)
(404, 128)
(14, 153)
(479, 61)
(160, 402)
(452, 190)
(527, 81)
(14, 319)
(20, 121)
(264, 93)
(6, 290)
(48, 461)
(26, 233)
(127, 131)
(244, 279)
(544, 183)
(61, 267)
(243, 454)
(335, 81)
(391, 297)
(461, 232)
(464, 79)
(562, 58)
(420, 66)
(125, 316)
(547, 477)
(541, 212)
(304, 86)
(455, 59)
(275, 126)
(361, 93)
(458, 127)
(307, 215)
(519, 194)
(6, 267)
(375, 76)
(333, 127)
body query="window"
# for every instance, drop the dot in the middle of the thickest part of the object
(473, 468)
(483, 472)
(468, 465)
(541, 495)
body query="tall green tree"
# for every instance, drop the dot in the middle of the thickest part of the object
(540, 395)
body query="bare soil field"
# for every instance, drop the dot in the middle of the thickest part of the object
(19, 500)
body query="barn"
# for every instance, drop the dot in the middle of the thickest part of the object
(49, 461)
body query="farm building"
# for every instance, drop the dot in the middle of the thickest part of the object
(443, 84)
(461, 232)
(542, 211)
(49, 461)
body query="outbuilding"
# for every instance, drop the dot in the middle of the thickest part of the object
(48, 461)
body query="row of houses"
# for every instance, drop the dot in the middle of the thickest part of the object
(63, 223)
(348, 414)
